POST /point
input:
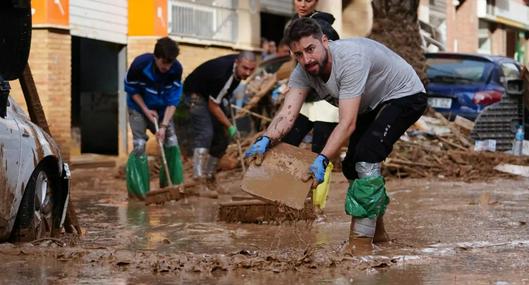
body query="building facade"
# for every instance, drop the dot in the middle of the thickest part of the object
(499, 27)
(81, 49)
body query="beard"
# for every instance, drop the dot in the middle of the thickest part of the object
(321, 65)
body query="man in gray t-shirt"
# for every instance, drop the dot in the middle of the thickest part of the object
(361, 67)
(379, 96)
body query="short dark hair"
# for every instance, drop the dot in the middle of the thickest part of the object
(166, 49)
(300, 28)
(248, 55)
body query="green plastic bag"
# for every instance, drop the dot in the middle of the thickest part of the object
(176, 168)
(366, 197)
(137, 172)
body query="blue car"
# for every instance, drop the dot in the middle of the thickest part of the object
(464, 84)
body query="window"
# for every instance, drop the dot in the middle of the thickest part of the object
(457, 70)
(213, 20)
(484, 39)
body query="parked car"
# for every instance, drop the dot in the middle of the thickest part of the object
(464, 84)
(34, 180)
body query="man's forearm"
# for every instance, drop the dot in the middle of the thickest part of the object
(284, 120)
(168, 114)
(339, 135)
(139, 100)
(217, 112)
(280, 125)
(348, 110)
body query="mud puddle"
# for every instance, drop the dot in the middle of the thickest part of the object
(441, 232)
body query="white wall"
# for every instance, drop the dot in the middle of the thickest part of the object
(104, 20)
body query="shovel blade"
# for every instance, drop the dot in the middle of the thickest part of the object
(278, 179)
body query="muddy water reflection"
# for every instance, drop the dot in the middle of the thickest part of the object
(112, 221)
(449, 232)
(192, 227)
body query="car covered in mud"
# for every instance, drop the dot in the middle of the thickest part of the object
(465, 84)
(34, 180)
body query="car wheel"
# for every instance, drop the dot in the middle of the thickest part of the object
(36, 217)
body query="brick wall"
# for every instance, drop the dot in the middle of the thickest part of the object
(498, 39)
(50, 62)
(462, 27)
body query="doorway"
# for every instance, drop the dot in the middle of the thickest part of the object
(272, 26)
(95, 88)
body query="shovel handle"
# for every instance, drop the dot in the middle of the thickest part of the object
(238, 140)
(164, 160)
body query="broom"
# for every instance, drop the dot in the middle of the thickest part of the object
(171, 192)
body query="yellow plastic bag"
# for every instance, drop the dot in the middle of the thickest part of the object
(319, 195)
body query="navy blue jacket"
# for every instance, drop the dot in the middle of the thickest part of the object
(157, 90)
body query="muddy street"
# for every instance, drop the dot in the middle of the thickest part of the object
(441, 232)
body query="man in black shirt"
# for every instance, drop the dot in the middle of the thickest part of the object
(208, 90)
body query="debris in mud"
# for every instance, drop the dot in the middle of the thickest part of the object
(413, 159)
(51, 242)
(302, 260)
(231, 160)
(520, 170)
(436, 147)
(257, 211)
(443, 151)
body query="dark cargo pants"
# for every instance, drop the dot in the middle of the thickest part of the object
(377, 131)
(207, 131)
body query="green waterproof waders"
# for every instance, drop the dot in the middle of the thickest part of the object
(366, 197)
(137, 172)
(174, 163)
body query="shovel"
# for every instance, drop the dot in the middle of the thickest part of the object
(171, 192)
(279, 177)
(238, 139)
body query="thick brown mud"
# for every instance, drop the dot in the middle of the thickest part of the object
(441, 232)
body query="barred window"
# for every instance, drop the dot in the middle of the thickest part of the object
(207, 20)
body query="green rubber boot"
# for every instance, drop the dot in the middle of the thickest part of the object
(137, 172)
(176, 168)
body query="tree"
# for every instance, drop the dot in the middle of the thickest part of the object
(396, 25)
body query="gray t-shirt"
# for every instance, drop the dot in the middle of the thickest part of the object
(361, 67)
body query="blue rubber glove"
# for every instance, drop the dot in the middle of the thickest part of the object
(257, 150)
(317, 170)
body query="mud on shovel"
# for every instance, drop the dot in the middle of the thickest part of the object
(171, 192)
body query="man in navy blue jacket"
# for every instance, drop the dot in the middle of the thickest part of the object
(153, 85)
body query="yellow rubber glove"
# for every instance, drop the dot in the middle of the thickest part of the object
(319, 195)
